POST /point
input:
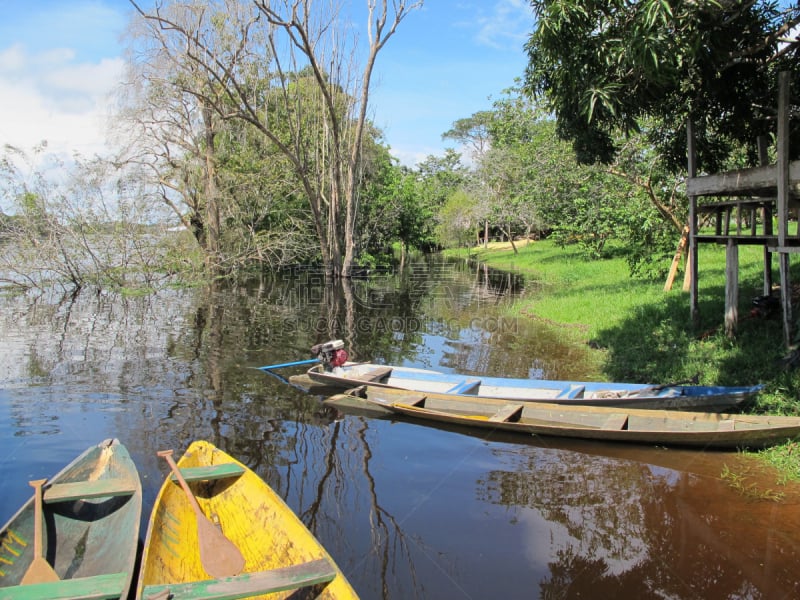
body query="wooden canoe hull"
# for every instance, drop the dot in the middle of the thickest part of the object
(588, 393)
(266, 531)
(658, 427)
(91, 512)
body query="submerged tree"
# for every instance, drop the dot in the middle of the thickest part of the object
(77, 224)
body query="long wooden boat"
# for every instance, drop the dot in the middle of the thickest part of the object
(589, 393)
(281, 556)
(660, 427)
(85, 521)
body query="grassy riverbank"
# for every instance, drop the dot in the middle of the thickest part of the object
(641, 333)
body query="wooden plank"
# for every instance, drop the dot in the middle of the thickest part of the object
(99, 587)
(248, 584)
(506, 413)
(375, 374)
(716, 206)
(573, 391)
(727, 425)
(85, 490)
(752, 240)
(468, 386)
(210, 473)
(755, 181)
(615, 422)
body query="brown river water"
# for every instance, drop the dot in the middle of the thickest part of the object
(406, 510)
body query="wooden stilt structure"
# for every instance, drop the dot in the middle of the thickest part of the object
(765, 190)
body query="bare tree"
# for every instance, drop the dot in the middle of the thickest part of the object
(75, 224)
(288, 68)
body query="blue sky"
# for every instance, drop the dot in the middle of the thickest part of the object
(59, 60)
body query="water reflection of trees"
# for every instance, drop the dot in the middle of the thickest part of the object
(624, 528)
(322, 467)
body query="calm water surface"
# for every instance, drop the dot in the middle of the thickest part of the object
(407, 511)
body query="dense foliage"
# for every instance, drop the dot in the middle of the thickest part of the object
(605, 65)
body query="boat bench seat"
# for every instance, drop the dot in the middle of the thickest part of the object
(726, 425)
(573, 391)
(510, 412)
(468, 386)
(210, 473)
(616, 422)
(249, 584)
(99, 587)
(85, 490)
(375, 374)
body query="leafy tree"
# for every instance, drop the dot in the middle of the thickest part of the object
(436, 179)
(457, 219)
(604, 65)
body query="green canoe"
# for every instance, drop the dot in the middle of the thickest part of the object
(88, 529)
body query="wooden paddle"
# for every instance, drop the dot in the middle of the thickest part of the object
(219, 556)
(40, 570)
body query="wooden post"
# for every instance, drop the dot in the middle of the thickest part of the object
(731, 287)
(783, 202)
(763, 160)
(691, 267)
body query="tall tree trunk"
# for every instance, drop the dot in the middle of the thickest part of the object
(212, 221)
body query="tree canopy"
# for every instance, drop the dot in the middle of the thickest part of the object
(604, 65)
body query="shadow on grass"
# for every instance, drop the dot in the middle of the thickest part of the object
(658, 344)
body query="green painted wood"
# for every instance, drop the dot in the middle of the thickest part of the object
(210, 473)
(85, 541)
(86, 490)
(99, 587)
(247, 584)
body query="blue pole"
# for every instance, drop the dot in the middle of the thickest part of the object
(289, 364)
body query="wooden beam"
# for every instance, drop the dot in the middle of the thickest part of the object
(86, 490)
(249, 584)
(756, 181)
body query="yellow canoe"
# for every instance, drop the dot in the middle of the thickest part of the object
(280, 554)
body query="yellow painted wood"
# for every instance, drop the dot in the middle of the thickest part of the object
(250, 514)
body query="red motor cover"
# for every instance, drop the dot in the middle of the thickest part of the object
(338, 358)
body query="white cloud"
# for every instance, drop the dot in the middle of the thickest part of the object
(49, 96)
(507, 26)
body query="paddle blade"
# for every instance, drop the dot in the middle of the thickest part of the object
(219, 556)
(40, 571)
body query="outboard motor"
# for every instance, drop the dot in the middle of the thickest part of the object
(331, 354)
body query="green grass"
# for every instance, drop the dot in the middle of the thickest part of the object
(640, 333)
